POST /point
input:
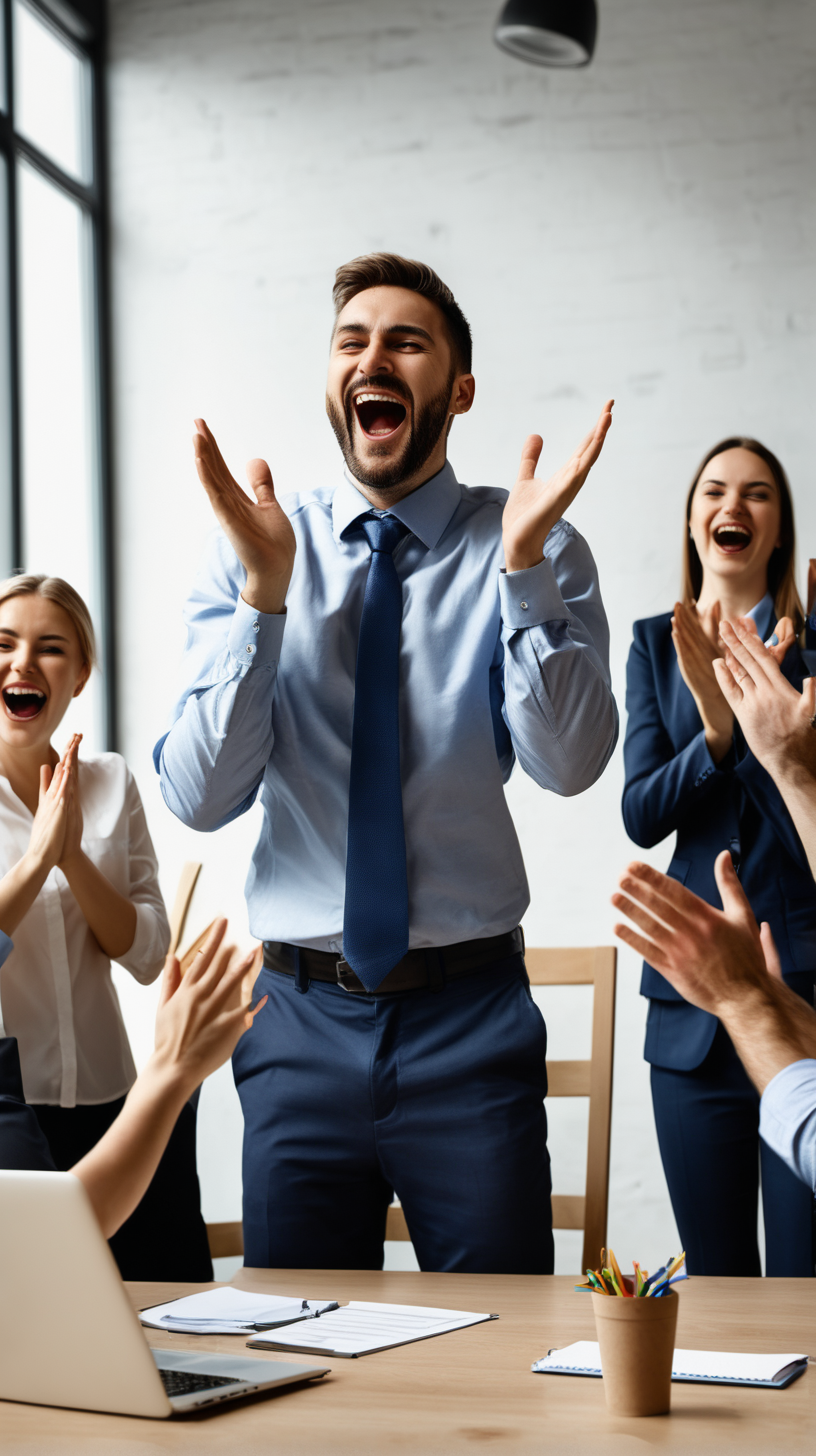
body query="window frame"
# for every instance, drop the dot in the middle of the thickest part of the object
(81, 25)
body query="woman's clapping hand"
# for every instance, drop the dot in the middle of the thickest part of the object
(72, 844)
(695, 636)
(56, 810)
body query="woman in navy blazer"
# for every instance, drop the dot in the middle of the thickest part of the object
(689, 772)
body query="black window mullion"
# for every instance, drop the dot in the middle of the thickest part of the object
(14, 514)
(106, 543)
(88, 36)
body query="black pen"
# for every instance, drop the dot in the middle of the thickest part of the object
(306, 1314)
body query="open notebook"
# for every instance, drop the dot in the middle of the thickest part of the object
(716, 1367)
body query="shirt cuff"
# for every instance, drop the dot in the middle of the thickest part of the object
(255, 637)
(529, 598)
(788, 1097)
(6, 947)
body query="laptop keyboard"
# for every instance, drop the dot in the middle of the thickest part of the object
(185, 1382)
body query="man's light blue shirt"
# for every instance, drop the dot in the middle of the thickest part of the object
(493, 667)
(787, 1118)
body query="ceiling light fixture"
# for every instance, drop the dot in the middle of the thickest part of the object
(548, 32)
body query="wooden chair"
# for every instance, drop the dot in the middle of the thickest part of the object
(585, 966)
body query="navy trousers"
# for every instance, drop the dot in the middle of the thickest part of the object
(708, 1131)
(434, 1095)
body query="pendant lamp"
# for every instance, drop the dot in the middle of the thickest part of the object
(548, 32)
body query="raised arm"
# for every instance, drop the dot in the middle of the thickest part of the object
(662, 785)
(213, 758)
(558, 702)
(720, 961)
(21, 885)
(198, 1025)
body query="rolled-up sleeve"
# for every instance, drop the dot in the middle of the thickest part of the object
(787, 1118)
(558, 702)
(212, 760)
(146, 956)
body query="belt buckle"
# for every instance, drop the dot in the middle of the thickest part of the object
(347, 978)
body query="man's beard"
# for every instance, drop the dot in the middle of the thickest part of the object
(427, 425)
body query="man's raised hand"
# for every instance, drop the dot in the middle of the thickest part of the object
(259, 531)
(534, 506)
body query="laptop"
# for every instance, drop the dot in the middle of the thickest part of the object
(69, 1335)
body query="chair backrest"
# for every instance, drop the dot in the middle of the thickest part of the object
(585, 966)
(181, 905)
(582, 966)
(226, 1240)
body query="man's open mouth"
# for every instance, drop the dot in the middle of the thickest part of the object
(732, 538)
(23, 703)
(379, 415)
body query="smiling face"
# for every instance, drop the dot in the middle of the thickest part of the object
(393, 387)
(41, 670)
(735, 519)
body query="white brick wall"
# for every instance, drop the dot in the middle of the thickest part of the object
(643, 228)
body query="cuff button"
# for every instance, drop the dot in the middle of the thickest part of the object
(250, 648)
(523, 606)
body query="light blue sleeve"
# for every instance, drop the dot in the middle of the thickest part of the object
(558, 701)
(6, 947)
(787, 1118)
(212, 760)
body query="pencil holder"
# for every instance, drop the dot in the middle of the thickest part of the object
(636, 1337)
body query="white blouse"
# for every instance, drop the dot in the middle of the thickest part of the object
(56, 991)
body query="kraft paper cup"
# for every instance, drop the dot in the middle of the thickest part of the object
(636, 1337)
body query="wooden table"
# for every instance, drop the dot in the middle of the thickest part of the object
(471, 1390)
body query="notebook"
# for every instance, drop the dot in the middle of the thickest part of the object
(229, 1311)
(360, 1328)
(715, 1367)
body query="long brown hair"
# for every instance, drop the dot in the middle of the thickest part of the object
(782, 563)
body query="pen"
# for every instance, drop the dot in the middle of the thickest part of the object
(305, 1314)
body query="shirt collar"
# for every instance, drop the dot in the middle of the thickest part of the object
(426, 512)
(762, 614)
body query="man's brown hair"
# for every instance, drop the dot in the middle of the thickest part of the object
(378, 270)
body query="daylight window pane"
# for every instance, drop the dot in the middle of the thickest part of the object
(58, 403)
(6, 562)
(52, 94)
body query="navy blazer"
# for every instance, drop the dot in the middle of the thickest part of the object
(674, 786)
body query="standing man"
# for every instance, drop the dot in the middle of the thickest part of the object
(373, 658)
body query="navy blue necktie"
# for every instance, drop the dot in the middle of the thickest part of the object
(375, 921)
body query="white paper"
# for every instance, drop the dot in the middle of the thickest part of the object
(583, 1358)
(226, 1311)
(360, 1328)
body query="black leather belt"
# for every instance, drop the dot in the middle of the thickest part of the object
(417, 971)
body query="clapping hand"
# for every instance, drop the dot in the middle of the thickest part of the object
(72, 844)
(57, 809)
(534, 506)
(259, 531)
(695, 636)
(778, 721)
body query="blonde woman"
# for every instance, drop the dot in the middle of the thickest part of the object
(81, 888)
